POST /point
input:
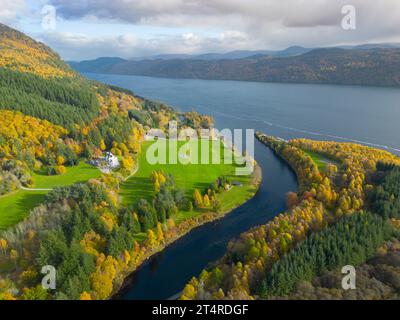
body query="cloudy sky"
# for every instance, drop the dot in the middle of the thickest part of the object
(87, 29)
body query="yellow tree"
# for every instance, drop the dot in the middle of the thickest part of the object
(61, 169)
(161, 178)
(127, 257)
(160, 233)
(128, 163)
(14, 256)
(102, 145)
(157, 186)
(197, 198)
(154, 176)
(60, 160)
(85, 296)
(3, 245)
(189, 292)
(206, 201)
(151, 237)
(102, 279)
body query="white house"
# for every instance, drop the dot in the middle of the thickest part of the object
(111, 160)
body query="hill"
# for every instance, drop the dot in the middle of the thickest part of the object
(52, 117)
(377, 66)
(35, 81)
(63, 204)
(232, 55)
(105, 64)
(102, 65)
(21, 53)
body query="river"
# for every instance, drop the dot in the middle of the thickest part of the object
(357, 114)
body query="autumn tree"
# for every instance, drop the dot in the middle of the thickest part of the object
(291, 199)
(206, 201)
(3, 245)
(197, 198)
(85, 296)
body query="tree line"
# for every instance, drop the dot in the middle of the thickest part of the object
(65, 102)
(385, 198)
(351, 241)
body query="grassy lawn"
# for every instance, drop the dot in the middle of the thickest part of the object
(80, 173)
(319, 160)
(188, 177)
(237, 195)
(16, 206)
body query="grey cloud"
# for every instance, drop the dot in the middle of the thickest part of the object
(292, 13)
(10, 9)
(244, 24)
(254, 17)
(80, 47)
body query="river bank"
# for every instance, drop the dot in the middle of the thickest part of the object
(184, 229)
(164, 271)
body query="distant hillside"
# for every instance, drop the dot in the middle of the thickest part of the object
(35, 82)
(375, 67)
(237, 54)
(105, 64)
(101, 65)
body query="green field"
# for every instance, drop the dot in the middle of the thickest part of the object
(16, 206)
(80, 173)
(319, 160)
(187, 176)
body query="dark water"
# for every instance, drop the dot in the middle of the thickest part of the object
(368, 115)
(345, 113)
(167, 273)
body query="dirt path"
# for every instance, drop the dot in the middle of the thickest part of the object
(33, 189)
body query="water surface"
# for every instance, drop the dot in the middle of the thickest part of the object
(369, 115)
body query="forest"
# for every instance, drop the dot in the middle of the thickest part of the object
(317, 277)
(63, 102)
(343, 188)
(385, 198)
(351, 241)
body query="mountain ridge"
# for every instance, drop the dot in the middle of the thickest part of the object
(360, 66)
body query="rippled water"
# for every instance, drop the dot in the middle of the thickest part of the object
(369, 115)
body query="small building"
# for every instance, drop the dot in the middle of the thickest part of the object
(111, 160)
(105, 164)
(236, 184)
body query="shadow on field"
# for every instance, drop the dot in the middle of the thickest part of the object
(29, 201)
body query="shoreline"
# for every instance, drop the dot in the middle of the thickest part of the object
(336, 84)
(124, 284)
